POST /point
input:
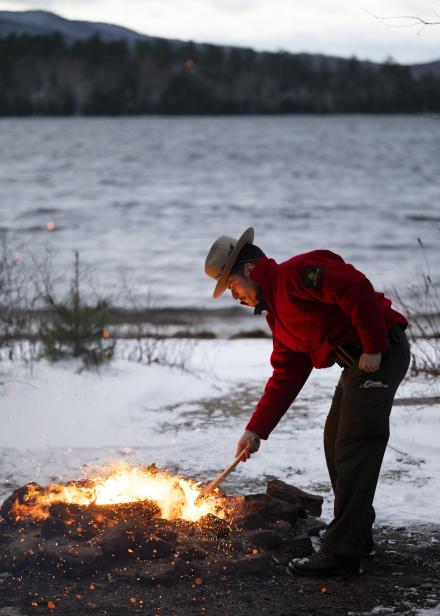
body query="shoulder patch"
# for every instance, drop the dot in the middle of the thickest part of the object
(312, 276)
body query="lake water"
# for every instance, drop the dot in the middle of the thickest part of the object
(144, 198)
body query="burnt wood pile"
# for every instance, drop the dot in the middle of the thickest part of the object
(133, 543)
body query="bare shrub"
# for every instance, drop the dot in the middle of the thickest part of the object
(153, 344)
(17, 301)
(422, 307)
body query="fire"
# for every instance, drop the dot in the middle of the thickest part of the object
(177, 498)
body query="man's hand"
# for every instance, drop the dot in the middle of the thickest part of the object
(370, 362)
(249, 443)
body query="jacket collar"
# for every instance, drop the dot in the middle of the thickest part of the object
(263, 275)
(262, 303)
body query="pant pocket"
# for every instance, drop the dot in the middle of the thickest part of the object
(367, 413)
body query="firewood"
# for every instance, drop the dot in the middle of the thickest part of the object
(18, 497)
(260, 510)
(290, 494)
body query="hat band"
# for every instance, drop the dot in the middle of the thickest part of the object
(224, 265)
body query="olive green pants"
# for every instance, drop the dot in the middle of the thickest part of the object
(356, 434)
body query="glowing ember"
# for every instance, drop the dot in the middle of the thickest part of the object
(176, 497)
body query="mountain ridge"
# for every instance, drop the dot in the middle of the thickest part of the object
(40, 22)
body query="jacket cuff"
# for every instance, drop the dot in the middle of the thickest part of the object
(260, 431)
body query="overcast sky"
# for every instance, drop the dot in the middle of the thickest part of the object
(336, 27)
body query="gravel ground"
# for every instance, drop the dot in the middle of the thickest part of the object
(401, 579)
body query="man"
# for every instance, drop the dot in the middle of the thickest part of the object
(322, 311)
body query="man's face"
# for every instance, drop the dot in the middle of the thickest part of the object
(243, 290)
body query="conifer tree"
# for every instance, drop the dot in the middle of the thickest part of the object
(75, 329)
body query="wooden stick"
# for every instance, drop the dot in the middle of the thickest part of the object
(218, 480)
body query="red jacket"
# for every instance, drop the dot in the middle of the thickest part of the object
(317, 302)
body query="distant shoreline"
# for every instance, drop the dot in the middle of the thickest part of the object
(175, 322)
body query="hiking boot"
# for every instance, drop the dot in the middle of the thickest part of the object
(323, 562)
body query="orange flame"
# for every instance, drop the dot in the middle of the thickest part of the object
(175, 496)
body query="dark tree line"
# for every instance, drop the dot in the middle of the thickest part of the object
(46, 76)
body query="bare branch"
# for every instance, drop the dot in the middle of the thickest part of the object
(410, 21)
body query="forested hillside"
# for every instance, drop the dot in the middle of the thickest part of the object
(46, 75)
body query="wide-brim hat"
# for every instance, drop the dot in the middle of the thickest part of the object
(222, 257)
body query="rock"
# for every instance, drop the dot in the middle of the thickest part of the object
(264, 538)
(77, 559)
(152, 547)
(260, 510)
(300, 546)
(121, 540)
(158, 572)
(283, 491)
(193, 552)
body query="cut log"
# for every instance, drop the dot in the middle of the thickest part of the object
(248, 565)
(311, 503)
(260, 510)
(264, 538)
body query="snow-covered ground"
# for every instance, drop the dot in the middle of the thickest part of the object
(57, 422)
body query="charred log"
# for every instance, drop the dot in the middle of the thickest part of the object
(260, 510)
(129, 540)
(21, 498)
(311, 503)
(87, 521)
